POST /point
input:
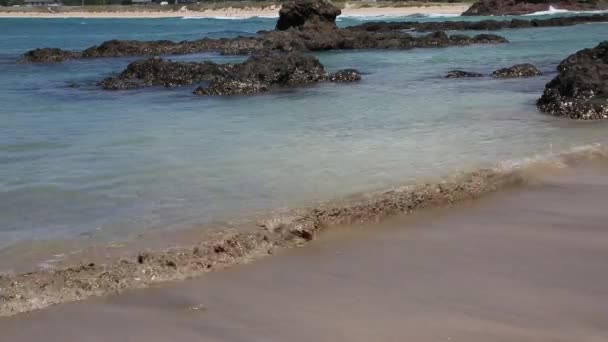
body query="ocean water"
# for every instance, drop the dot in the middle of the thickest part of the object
(77, 162)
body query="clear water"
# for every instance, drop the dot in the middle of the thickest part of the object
(79, 161)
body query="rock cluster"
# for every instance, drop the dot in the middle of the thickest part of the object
(263, 73)
(518, 70)
(304, 25)
(518, 7)
(260, 73)
(580, 90)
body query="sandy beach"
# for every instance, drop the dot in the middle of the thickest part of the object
(521, 265)
(229, 13)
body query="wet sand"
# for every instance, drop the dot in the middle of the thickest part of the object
(526, 264)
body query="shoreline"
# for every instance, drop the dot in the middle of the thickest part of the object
(521, 265)
(223, 249)
(234, 13)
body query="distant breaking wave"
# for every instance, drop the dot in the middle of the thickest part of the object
(553, 10)
(231, 18)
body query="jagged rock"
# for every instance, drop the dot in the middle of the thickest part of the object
(518, 70)
(580, 91)
(518, 7)
(346, 75)
(160, 72)
(308, 14)
(462, 74)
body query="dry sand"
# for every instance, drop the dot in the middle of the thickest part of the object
(235, 13)
(526, 264)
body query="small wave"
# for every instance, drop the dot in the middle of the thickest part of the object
(291, 228)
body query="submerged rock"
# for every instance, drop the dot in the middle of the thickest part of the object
(517, 7)
(462, 74)
(580, 91)
(518, 70)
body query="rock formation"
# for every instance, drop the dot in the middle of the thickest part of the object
(580, 90)
(308, 14)
(259, 73)
(518, 7)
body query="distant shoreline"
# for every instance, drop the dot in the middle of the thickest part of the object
(221, 13)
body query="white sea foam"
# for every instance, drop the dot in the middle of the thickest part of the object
(553, 10)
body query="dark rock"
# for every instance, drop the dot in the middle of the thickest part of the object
(262, 73)
(580, 91)
(518, 7)
(308, 14)
(49, 55)
(345, 75)
(518, 70)
(462, 74)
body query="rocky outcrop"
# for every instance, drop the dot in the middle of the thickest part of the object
(518, 7)
(305, 25)
(481, 25)
(462, 74)
(160, 72)
(259, 73)
(518, 70)
(580, 91)
(308, 14)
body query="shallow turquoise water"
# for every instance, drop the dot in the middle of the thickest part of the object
(77, 162)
